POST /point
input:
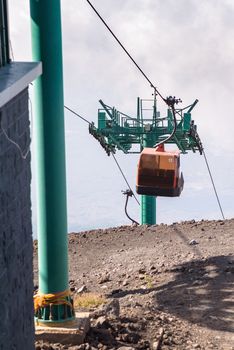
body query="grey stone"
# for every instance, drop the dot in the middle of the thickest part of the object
(104, 278)
(193, 242)
(82, 289)
(102, 322)
(125, 283)
(112, 309)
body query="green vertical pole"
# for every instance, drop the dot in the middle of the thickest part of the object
(50, 160)
(148, 203)
(4, 34)
(148, 210)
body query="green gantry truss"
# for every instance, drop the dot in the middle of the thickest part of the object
(117, 130)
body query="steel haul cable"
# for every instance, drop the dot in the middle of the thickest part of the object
(170, 101)
(128, 194)
(124, 176)
(78, 115)
(214, 187)
(126, 51)
(119, 167)
(206, 161)
(173, 131)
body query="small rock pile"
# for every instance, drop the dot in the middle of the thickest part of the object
(129, 330)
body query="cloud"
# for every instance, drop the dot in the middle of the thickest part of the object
(187, 49)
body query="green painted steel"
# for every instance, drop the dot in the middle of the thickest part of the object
(122, 132)
(4, 34)
(148, 210)
(50, 148)
(187, 121)
(101, 120)
(148, 203)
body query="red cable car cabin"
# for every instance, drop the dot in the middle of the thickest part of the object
(159, 173)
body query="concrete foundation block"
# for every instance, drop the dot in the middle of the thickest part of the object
(73, 332)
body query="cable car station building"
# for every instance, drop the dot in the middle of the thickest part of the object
(16, 248)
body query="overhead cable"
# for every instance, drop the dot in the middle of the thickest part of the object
(124, 177)
(119, 167)
(170, 101)
(128, 194)
(78, 115)
(126, 51)
(214, 187)
(174, 128)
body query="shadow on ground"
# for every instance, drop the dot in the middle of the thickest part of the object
(200, 291)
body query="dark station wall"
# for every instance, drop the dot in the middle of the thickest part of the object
(16, 249)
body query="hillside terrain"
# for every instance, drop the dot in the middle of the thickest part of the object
(166, 286)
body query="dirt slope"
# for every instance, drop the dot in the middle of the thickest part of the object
(177, 280)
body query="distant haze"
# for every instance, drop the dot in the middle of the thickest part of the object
(187, 49)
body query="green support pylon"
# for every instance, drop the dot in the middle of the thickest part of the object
(53, 303)
(148, 210)
(148, 203)
(118, 131)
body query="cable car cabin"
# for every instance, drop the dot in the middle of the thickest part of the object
(159, 173)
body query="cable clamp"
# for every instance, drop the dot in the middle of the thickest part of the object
(172, 100)
(128, 194)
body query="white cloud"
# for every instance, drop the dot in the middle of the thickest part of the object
(187, 49)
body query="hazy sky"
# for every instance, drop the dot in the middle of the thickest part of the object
(187, 49)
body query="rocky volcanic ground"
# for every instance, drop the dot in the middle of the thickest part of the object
(167, 286)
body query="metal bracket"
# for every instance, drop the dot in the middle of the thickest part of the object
(128, 193)
(101, 139)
